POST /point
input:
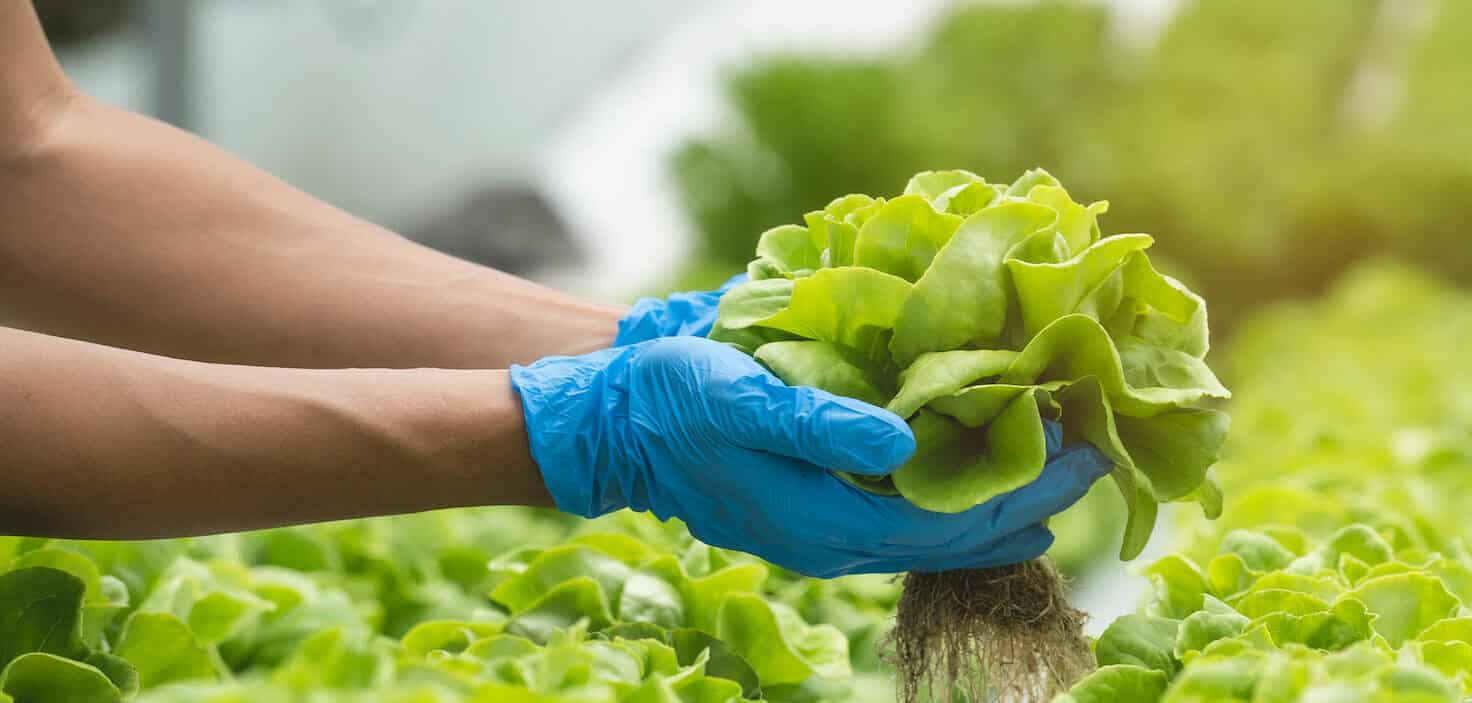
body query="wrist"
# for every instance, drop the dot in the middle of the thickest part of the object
(570, 432)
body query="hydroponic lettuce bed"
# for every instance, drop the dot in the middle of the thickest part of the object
(1337, 572)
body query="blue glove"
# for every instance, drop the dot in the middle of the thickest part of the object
(680, 315)
(689, 428)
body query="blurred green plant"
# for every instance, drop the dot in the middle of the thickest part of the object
(467, 605)
(1340, 569)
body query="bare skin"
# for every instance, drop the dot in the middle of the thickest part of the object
(239, 336)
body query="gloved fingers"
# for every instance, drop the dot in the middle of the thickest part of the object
(818, 427)
(1065, 479)
(1024, 545)
(1053, 436)
(690, 313)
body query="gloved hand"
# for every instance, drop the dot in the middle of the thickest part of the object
(689, 428)
(680, 315)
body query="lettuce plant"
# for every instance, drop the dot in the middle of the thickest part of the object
(974, 311)
(1276, 616)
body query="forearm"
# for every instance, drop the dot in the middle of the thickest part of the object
(122, 230)
(107, 443)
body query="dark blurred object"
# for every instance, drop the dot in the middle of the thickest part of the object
(507, 227)
(1239, 139)
(71, 22)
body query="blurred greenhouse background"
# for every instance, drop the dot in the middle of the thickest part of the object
(634, 148)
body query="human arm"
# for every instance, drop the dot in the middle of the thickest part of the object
(108, 443)
(125, 231)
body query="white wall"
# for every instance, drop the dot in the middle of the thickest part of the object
(388, 107)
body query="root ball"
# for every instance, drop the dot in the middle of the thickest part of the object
(1006, 632)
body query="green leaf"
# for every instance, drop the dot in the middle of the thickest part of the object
(931, 184)
(1360, 542)
(1158, 310)
(332, 659)
(936, 374)
(39, 677)
(1076, 346)
(1180, 588)
(1047, 291)
(1453, 629)
(1258, 604)
(1152, 367)
(751, 302)
(163, 650)
(1452, 659)
(977, 406)
(1088, 415)
(748, 339)
(1403, 605)
(446, 635)
(1030, 179)
(649, 596)
(1228, 575)
(625, 548)
(1175, 448)
(1140, 640)
(833, 236)
(1079, 224)
(709, 690)
(963, 297)
(559, 565)
(902, 238)
(1118, 683)
(822, 365)
(778, 645)
(71, 562)
(956, 467)
(845, 306)
(41, 611)
(790, 248)
(1201, 628)
(721, 661)
(1321, 586)
(211, 599)
(966, 200)
(1257, 550)
(116, 669)
(704, 596)
(576, 599)
(1341, 626)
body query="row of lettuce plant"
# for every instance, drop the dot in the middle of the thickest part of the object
(1339, 570)
(437, 607)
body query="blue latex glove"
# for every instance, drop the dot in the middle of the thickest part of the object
(689, 428)
(680, 315)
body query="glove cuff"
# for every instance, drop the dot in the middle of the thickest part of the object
(680, 315)
(643, 322)
(563, 401)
